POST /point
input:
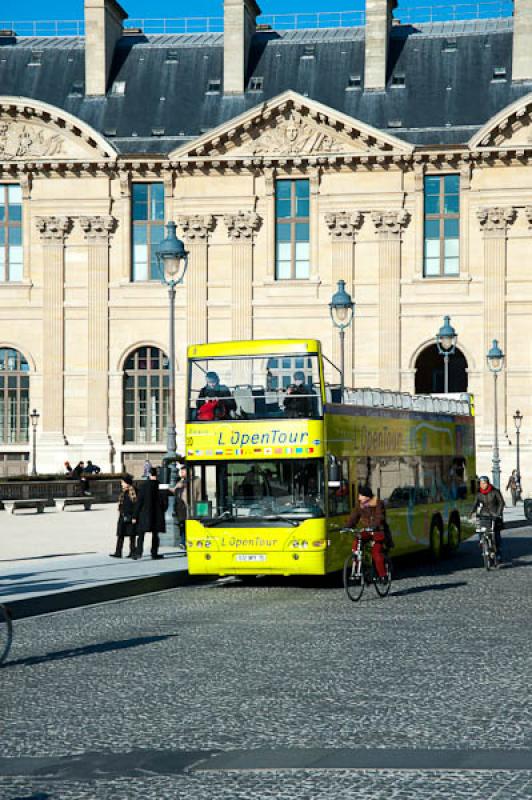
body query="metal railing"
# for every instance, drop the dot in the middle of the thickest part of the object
(408, 13)
(434, 404)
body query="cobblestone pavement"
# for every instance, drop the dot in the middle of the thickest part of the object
(443, 664)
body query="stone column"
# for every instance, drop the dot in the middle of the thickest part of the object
(494, 224)
(53, 231)
(97, 230)
(389, 227)
(343, 227)
(196, 231)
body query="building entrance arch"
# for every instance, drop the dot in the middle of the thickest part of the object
(430, 371)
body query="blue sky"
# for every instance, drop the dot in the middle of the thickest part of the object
(73, 9)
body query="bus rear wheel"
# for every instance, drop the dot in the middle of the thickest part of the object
(453, 535)
(436, 544)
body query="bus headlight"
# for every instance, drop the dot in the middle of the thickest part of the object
(208, 543)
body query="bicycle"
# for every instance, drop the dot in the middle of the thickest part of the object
(359, 569)
(487, 541)
(6, 632)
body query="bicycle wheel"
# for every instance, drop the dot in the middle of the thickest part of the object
(383, 585)
(486, 553)
(353, 578)
(6, 632)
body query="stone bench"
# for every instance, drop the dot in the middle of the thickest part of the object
(65, 502)
(39, 503)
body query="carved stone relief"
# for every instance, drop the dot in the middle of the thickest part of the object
(53, 229)
(242, 226)
(20, 140)
(390, 224)
(343, 225)
(495, 220)
(197, 227)
(97, 228)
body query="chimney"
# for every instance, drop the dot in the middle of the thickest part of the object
(103, 28)
(378, 26)
(239, 26)
(522, 38)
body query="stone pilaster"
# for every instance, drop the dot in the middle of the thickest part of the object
(196, 231)
(124, 206)
(389, 226)
(53, 231)
(494, 223)
(343, 227)
(241, 228)
(97, 230)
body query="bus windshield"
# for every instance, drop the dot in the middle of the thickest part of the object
(262, 489)
(254, 387)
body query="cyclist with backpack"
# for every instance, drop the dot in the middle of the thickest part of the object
(214, 399)
(489, 504)
(370, 513)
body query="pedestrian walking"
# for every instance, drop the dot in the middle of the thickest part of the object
(125, 527)
(146, 469)
(513, 486)
(78, 473)
(187, 493)
(92, 469)
(149, 514)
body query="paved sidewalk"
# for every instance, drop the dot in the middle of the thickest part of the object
(59, 552)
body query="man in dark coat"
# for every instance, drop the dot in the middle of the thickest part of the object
(149, 514)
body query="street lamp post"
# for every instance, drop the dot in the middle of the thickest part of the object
(495, 358)
(172, 259)
(34, 418)
(518, 419)
(342, 309)
(446, 344)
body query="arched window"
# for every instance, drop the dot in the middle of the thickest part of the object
(430, 372)
(14, 396)
(146, 383)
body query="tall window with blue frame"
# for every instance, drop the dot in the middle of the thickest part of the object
(292, 230)
(11, 266)
(442, 226)
(148, 229)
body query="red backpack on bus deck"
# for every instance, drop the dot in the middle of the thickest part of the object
(207, 411)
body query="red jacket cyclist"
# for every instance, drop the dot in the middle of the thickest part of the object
(370, 513)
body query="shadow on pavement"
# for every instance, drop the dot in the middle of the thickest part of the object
(431, 587)
(49, 555)
(87, 650)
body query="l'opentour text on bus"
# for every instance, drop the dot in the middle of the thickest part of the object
(278, 459)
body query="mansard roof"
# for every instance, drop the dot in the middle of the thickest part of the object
(446, 80)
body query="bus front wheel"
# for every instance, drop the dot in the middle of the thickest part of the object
(436, 540)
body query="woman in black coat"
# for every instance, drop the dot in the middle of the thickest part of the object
(149, 514)
(125, 526)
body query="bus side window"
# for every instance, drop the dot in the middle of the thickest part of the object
(339, 500)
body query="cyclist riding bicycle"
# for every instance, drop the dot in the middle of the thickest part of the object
(489, 504)
(370, 513)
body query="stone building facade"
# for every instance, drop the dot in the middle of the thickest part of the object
(393, 157)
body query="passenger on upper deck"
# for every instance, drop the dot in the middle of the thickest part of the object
(214, 399)
(299, 400)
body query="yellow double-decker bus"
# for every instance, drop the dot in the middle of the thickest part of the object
(275, 456)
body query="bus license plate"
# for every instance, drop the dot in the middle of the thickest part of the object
(243, 557)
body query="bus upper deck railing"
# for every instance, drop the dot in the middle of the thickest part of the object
(460, 404)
